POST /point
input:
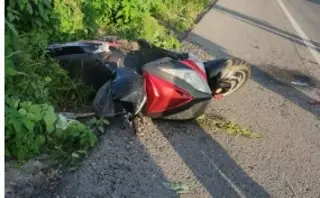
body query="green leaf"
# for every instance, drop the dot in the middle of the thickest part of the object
(36, 112)
(10, 71)
(28, 124)
(11, 17)
(48, 108)
(14, 103)
(47, 79)
(50, 128)
(83, 141)
(41, 12)
(38, 22)
(50, 119)
(75, 155)
(25, 104)
(17, 126)
(40, 139)
(48, 3)
(12, 28)
(35, 108)
(106, 122)
(13, 11)
(29, 8)
(119, 13)
(12, 4)
(22, 111)
(101, 129)
(76, 133)
(22, 5)
(35, 147)
(62, 122)
(21, 153)
(91, 122)
(93, 141)
(10, 102)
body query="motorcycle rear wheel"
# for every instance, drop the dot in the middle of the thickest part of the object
(234, 75)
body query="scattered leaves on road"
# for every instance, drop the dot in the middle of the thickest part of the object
(218, 123)
(179, 188)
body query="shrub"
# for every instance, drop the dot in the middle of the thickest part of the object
(30, 127)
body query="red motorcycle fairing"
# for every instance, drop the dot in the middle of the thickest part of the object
(196, 64)
(176, 90)
(163, 95)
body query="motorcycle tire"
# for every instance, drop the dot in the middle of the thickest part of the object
(233, 76)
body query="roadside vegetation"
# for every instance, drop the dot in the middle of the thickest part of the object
(36, 88)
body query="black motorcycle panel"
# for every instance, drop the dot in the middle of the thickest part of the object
(127, 88)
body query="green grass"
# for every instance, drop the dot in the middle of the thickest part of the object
(179, 15)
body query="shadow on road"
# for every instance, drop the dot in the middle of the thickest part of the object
(314, 1)
(204, 156)
(118, 167)
(262, 74)
(268, 27)
(208, 161)
(218, 173)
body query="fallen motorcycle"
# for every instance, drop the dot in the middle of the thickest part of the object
(146, 79)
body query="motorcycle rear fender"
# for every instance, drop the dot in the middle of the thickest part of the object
(214, 67)
(213, 70)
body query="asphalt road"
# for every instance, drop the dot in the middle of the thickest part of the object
(287, 161)
(306, 13)
(284, 163)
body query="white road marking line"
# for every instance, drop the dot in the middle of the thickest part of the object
(224, 176)
(301, 33)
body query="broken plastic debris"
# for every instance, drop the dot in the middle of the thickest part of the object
(302, 84)
(302, 80)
